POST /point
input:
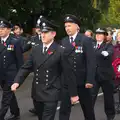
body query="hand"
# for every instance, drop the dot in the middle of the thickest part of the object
(14, 86)
(88, 85)
(74, 99)
(105, 53)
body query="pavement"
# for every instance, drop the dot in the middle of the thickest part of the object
(25, 103)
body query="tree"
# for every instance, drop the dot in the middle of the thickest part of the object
(24, 10)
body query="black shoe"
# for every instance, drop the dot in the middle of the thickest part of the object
(13, 117)
(33, 111)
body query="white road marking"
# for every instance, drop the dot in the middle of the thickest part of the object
(100, 94)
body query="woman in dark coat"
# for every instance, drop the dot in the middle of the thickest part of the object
(104, 72)
(116, 59)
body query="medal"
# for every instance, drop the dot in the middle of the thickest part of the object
(81, 50)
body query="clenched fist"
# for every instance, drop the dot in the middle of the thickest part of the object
(14, 86)
(74, 100)
(88, 85)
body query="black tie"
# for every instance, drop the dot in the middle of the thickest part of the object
(98, 46)
(44, 50)
(71, 40)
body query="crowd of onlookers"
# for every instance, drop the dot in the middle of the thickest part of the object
(113, 35)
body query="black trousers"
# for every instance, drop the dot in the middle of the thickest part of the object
(45, 110)
(8, 101)
(85, 102)
(108, 91)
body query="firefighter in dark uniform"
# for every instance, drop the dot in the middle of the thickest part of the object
(35, 40)
(12, 61)
(104, 72)
(2, 49)
(81, 59)
(48, 61)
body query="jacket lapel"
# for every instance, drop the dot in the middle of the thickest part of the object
(77, 39)
(2, 47)
(101, 46)
(8, 41)
(50, 52)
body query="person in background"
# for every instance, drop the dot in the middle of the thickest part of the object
(89, 33)
(109, 38)
(36, 39)
(18, 31)
(104, 72)
(117, 47)
(115, 56)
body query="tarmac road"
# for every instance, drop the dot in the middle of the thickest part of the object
(25, 102)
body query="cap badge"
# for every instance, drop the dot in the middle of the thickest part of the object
(68, 18)
(1, 22)
(43, 24)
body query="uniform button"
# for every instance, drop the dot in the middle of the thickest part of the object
(46, 83)
(4, 59)
(74, 62)
(33, 43)
(37, 70)
(36, 74)
(74, 58)
(47, 71)
(46, 75)
(74, 66)
(36, 82)
(4, 56)
(36, 78)
(46, 80)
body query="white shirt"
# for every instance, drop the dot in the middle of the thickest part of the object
(39, 37)
(99, 43)
(4, 39)
(47, 46)
(74, 36)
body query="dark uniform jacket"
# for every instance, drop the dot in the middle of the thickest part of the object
(82, 61)
(35, 40)
(104, 69)
(47, 71)
(2, 49)
(12, 59)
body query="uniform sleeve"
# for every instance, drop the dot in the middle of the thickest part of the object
(27, 47)
(24, 70)
(69, 75)
(110, 49)
(90, 60)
